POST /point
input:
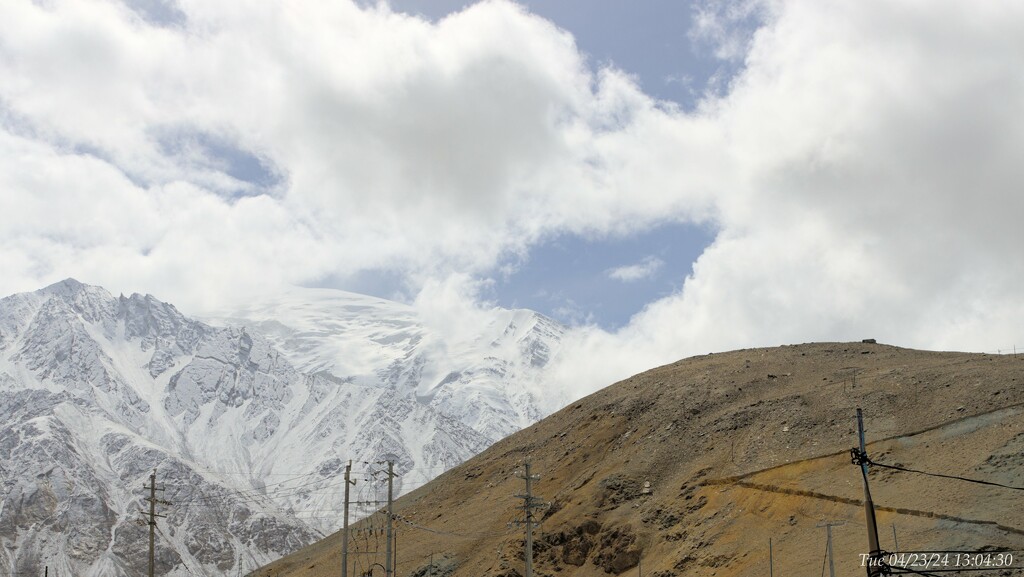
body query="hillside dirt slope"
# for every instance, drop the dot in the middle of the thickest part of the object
(690, 469)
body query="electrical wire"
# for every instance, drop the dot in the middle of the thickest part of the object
(248, 495)
(398, 517)
(931, 573)
(169, 542)
(255, 493)
(964, 569)
(965, 552)
(978, 481)
(859, 457)
(909, 570)
(825, 557)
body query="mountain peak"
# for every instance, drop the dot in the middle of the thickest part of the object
(75, 290)
(126, 384)
(67, 286)
(94, 303)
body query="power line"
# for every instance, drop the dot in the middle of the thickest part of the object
(951, 551)
(166, 538)
(823, 559)
(259, 497)
(856, 375)
(921, 573)
(281, 491)
(899, 570)
(255, 493)
(876, 559)
(451, 533)
(858, 457)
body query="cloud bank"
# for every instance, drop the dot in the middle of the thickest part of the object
(862, 171)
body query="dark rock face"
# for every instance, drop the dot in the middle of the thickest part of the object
(573, 546)
(618, 489)
(617, 550)
(439, 566)
(613, 549)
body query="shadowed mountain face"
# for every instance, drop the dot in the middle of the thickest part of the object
(691, 468)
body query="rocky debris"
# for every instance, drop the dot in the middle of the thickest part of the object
(1006, 465)
(617, 550)
(662, 517)
(572, 546)
(618, 489)
(439, 566)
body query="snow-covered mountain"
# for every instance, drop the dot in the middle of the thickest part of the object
(476, 376)
(248, 425)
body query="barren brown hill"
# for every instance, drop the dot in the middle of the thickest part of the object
(690, 468)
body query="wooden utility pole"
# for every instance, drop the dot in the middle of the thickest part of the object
(152, 519)
(389, 567)
(529, 504)
(344, 540)
(828, 532)
(874, 567)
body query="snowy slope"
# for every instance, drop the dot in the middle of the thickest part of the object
(479, 378)
(248, 425)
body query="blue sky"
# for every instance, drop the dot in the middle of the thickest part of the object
(572, 278)
(650, 39)
(668, 178)
(567, 277)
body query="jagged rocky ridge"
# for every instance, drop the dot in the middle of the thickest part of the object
(248, 440)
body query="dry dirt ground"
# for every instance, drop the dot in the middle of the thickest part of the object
(691, 468)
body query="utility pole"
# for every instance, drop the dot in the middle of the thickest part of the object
(152, 519)
(389, 567)
(529, 504)
(344, 540)
(874, 561)
(771, 559)
(828, 532)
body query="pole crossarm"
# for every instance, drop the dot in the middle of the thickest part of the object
(153, 516)
(530, 503)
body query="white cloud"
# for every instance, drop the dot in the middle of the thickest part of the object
(431, 149)
(862, 171)
(727, 26)
(644, 269)
(874, 194)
